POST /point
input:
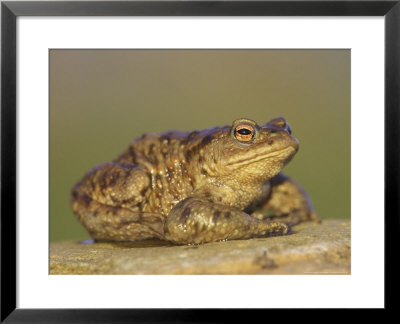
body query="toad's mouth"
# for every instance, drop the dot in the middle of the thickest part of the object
(257, 158)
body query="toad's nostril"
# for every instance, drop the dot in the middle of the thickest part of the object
(281, 122)
(288, 128)
(278, 122)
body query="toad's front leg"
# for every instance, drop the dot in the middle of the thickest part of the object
(195, 221)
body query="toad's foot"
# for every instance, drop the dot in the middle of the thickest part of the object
(195, 221)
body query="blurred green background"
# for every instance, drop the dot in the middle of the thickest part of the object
(100, 100)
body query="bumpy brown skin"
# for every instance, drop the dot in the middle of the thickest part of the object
(195, 187)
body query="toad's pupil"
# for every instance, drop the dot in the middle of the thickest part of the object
(244, 131)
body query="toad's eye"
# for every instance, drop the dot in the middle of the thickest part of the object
(244, 133)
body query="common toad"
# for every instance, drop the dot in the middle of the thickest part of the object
(216, 184)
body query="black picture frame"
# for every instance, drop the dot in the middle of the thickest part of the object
(10, 10)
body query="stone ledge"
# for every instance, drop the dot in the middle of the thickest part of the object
(311, 249)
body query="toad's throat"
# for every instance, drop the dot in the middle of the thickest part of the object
(257, 157)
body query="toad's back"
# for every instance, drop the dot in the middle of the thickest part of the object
(163, 157)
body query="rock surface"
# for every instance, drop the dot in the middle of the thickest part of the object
(311, 249)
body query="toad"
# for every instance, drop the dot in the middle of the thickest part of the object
(216, 184)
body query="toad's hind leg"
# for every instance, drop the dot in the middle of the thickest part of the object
(195, 220)
(287, 202)
(107, 202)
